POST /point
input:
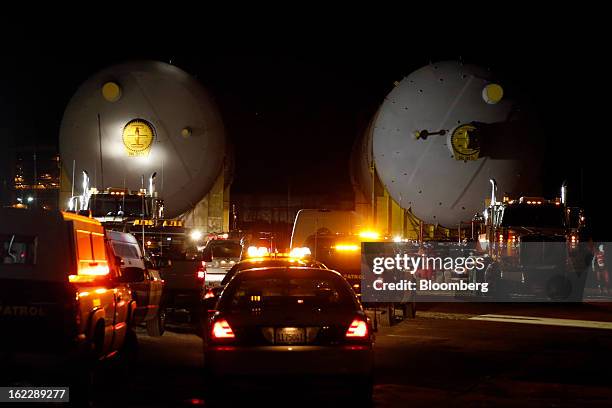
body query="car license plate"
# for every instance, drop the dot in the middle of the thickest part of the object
(290, 335)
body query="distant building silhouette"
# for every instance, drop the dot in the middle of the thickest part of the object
(31, 177)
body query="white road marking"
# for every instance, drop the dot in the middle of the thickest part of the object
(401, 335)
(448, 316)
(416, 337)
(590, 324)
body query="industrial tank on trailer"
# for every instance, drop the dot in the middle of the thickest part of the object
(134, 119)
(435, 142)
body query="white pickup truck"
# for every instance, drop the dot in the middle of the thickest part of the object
(219, 256)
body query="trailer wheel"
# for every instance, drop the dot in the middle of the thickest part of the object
(198, 320)
(387, 315)
(375, 321)
(558, 288)
(409, 310)
(492, 277)
(157, 326)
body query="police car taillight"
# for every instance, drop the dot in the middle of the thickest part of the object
(358, 329)
(222, 330)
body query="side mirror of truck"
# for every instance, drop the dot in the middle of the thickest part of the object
(207, 257)
(131, 274)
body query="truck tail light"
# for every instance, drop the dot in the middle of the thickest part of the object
(222, 330)
(89, 271)
(201, 274)
(358, 329)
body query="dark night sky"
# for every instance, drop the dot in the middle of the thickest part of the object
(294, 115)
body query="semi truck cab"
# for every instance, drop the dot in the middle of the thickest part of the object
(534, 245)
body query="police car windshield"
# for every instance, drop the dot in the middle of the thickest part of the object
(533, 216)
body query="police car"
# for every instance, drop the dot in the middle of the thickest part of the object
(289, 327)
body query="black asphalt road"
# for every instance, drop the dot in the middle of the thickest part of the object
(445, 357)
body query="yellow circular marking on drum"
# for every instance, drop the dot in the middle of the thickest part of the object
(138, 136)
(492, 93)
(186, 132)
(464, 143)
(111, 91)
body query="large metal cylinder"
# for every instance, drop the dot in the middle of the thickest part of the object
(153, 117)
(438, 138)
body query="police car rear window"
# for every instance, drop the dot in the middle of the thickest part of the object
(275, 293)
(17, 249)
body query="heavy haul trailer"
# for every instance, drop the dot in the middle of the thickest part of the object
(334, 238)
(147, 119)
(420, 170)
(151, 144)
